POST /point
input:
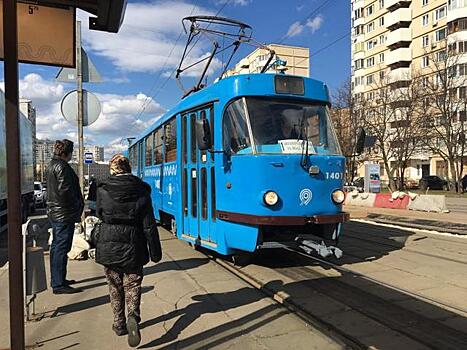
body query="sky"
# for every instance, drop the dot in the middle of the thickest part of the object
(136, 64)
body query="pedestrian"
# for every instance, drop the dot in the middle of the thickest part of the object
(64, 208)
(125, 241)
(92, 195)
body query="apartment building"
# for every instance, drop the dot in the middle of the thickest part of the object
(394, 40)
(293, 60)
(27, 108)
(97, 151)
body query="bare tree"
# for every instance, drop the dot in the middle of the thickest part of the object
(446, 103)
(345, 116)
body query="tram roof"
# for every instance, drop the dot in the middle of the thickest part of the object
(239, 86)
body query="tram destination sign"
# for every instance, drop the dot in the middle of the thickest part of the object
(46, 35)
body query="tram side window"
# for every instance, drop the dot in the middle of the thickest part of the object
(158, 146)
(149, 144)
(171, 141)
(133, 159)
(235, 130)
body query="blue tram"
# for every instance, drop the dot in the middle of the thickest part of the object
(247, 163)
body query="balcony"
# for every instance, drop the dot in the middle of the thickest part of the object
(400, 75)
(391, 5)
(399, 37)
(457, 9)
(402, 17)
(400, 55)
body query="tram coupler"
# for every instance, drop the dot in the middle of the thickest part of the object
(309, 247)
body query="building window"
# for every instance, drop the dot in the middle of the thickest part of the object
(370, 10)
(370, 27)
(441, 56)
(440, 13)
(440, 34)
(457, 25)
(463, 92)
(462, 47)
(425, 40)
(370, 62)
(424, 2)
(462, 69)
(381, 57)
(381, 21)
(358, 64)
(425, 20)
(382, 75)
(371, 44)
(381, 4)
(370, 79)
(425, 61)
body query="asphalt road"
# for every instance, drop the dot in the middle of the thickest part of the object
(457, 205)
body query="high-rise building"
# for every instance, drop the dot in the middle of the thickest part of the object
(26, 107)
(293, 60)
(396, 40)
(43, 154)
(97, 151)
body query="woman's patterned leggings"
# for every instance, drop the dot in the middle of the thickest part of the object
(124, 289)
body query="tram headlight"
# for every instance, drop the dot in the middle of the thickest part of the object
(270, 198)
(338, 196)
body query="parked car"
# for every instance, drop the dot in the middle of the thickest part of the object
(359, 183)
(464, 183)
(433, 182)
(40, 194)
(409, 184)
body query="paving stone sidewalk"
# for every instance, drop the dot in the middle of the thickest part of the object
(189, 302)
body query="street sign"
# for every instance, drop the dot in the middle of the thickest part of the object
(46, 35)
(89, 72)
(372, 181)
(91, 107)
(88, 158)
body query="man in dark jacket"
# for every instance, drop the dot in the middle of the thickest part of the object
(64, 208)
(125, 241)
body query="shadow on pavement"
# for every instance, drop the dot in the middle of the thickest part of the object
(210, 304)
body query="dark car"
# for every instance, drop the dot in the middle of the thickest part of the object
(359, 183)
(464, 183)
(433, 182)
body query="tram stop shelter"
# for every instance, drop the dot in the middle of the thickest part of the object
(36, 32)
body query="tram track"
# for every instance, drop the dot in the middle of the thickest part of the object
(410, 324)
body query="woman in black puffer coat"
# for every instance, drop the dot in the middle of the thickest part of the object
(125, 241)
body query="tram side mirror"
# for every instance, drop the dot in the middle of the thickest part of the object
(203, 134)
(360, 144)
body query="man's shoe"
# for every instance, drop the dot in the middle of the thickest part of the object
(66, 290)
(120, 330)
(134, 337)
(69, 282)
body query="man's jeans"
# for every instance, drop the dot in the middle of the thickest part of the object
(61, 245)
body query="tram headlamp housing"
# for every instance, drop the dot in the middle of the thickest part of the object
(270, 198)
(338, 196)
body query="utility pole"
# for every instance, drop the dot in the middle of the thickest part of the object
(79, 73)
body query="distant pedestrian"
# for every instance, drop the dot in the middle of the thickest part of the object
(125, 241)
(92, 195)
(64, 208)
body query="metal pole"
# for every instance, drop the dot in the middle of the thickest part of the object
(79, 72)
(15, 271)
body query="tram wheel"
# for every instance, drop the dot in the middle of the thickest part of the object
(241, 259)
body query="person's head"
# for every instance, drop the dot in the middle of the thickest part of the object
(119, 164)
(63, 149)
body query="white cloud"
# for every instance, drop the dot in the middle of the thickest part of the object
(315, 23)
(120, 115)
(295, 28)
(298, 27)
(146, 37)
(235, 2)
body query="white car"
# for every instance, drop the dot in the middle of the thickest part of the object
(40, 194)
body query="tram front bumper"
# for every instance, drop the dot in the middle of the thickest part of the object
(282, 220)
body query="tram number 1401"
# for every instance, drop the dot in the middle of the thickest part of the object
(334, 176)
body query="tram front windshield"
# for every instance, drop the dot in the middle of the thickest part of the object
(265, 125)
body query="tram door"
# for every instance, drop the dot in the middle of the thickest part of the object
(198, 182)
